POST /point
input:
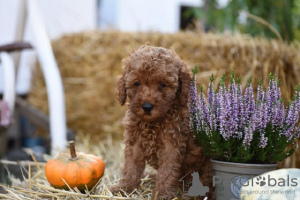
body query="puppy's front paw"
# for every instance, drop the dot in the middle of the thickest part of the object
(163, 195)
(115, 189)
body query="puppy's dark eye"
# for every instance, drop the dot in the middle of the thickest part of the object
(136, 84)
(162, 85)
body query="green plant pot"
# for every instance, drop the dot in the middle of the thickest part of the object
(230, 177)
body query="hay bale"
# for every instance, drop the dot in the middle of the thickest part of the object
(90, 63)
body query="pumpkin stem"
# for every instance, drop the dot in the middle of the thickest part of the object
(72, 151)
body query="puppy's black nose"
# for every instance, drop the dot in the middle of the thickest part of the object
(147, 107)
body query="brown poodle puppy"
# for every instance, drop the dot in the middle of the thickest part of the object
(156, 82)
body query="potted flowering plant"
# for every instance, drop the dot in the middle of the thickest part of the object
(234, 127)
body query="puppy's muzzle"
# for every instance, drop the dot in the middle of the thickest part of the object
(147, 107)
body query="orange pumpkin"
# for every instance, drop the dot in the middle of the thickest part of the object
(78, 170)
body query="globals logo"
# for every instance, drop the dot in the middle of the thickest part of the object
(270, 182)
(192, 186)
(257, 185)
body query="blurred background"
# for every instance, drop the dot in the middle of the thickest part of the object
(89, 39)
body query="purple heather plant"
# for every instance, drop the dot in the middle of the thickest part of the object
(237, 127)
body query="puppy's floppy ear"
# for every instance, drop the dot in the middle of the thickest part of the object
(184, 80)
(121, 90)
(121, 84)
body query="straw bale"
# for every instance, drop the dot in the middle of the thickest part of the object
(90, 63)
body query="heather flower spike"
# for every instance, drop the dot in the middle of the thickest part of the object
(223, 78)
(238, 81)
(235, 126)
(212, 78)
(195, 70)
(249, 81)
(194, 105)
(232, 77)
(260, 82)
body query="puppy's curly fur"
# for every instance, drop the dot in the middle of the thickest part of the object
(156, 82)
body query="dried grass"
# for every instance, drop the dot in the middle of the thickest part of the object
(90, 63)
(36, 186)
